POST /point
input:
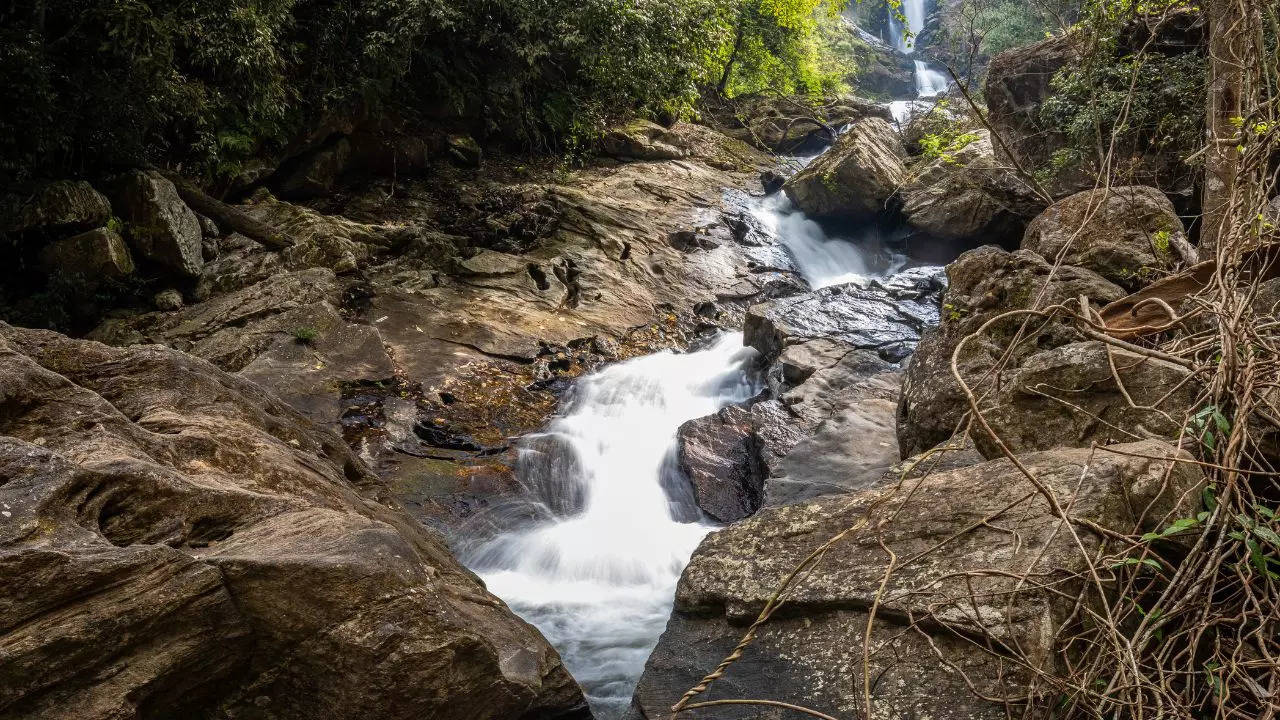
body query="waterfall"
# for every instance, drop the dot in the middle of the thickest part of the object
(597, 573)
(914, 12)
(821, 259)
(929, 82)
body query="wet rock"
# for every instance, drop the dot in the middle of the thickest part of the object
(927, 627)
(717, 454)
(1069, 397)
(160, 227)
(771, 182)
(984, 283)
(968, 195)
(317, 172)
(854, 179)
(63, 206)
(886, 315)
(189, 546)
(687, 241)
(643, 140)
(167, 300)
(91, 256)
(1129, 235)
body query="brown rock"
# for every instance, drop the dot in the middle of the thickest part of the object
(55, 207)
(717, 454)
(160, 227)
(186, 545)
(93, 255)
(855, 178)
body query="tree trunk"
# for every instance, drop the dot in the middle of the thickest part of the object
(1228, 38)
(733, 55)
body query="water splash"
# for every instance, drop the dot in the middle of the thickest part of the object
(929, 82)
(824, 260)
(597, 574)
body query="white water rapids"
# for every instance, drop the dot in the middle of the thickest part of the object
(597, 573)
(824, 260)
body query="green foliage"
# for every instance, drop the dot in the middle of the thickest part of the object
(946, 143)
(779, 46)
(305, 335)
(974, 31)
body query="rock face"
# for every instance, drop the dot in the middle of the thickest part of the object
(968, 195)
(855, 178)
(317, 172)
(643, 140)
(91, 255)
(1018, 82)
(995, 526)
(57, 206)
(887, 316)
(1128, 235)
(161, 228)
(1069, 397)
(982, 284)
(718, 455)
(182, 544)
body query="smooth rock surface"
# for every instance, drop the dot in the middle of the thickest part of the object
(718, 455)
(856, 178)
(182, 544)
(160, 227)
(969, 530)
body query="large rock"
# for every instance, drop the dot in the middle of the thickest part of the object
(91, 256)
(968, 195)
(856, 178)
(962, 542)
(1069, 397)
(317, 172)
(643, 140)
(984, 283)
(886, 315)
(179, 543)
(161, 228)
(60, 206)
(718, 455)
(1129, 235)
(1018, 82)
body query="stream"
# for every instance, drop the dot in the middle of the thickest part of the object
(594, 564)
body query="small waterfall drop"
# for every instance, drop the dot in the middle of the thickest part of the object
(914, 12)
(824, 260)
(929, 82)
(597, 572)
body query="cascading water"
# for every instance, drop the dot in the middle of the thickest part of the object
(929, 82)
(821, 259)
(597, 572)
(913, 10)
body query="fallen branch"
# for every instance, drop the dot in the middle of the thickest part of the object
(229, 216)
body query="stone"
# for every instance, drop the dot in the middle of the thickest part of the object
(159, 226)
(208, 228)
(718, 456)
(966, 195)
(56, 207)
(974, 530)
(186, 545)
(464, 150)
(1129, 235)
(856, 178)
(643, 140)
(167, 300)
(1018, 82)
(885, 315)
(771, 182)
(982, 284)
(92, 256)
(317, 172)
(1069, 397)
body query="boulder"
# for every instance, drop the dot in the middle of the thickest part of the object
(855, 178)
(182, 544)
(92, 256)
(717, 453)
(886, 315)
(643, 140)
(982, 284)
(1069, 397)
(317, 172)
(60, 207)
(1018, 82)
(160, 227)
(464, 150)
(962, 540)
(967, 195)
(167, 300)
(1129, 235)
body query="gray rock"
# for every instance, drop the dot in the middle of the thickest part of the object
(1069, 397)
(167, 300)
(927, 630)
(1129, 235)
(855, 178)
(160, 227)
(984, 283)
(464, 150)
(92, 256)
(718, 455)
(61, 206)
(886, 315)
(317, 172)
